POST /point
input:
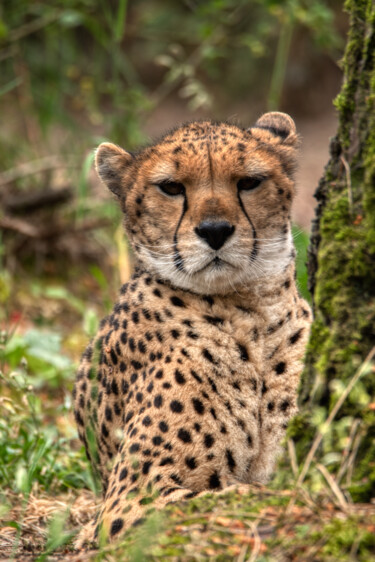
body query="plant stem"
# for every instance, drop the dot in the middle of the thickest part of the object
(281, 60)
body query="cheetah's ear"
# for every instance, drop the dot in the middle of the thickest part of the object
(112, 163)
(280, 125)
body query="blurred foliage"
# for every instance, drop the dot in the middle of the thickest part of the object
(301, 242)
(110, 63)
(37, 440)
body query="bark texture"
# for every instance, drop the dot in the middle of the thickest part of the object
(342, 265)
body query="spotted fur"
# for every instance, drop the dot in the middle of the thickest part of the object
(191, 380)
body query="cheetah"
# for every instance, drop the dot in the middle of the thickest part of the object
(191, 380)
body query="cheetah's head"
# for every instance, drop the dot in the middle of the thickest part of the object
(208, 206)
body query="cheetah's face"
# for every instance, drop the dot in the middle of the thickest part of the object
(208, 206)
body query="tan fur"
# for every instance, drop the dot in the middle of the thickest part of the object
(191, 381)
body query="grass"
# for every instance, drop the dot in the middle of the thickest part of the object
(47, 490)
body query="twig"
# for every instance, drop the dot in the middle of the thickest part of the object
(346, 451)
(320, 434)
(352, 457)
(256, 548)
(19, 225)
(293, 457)
(348, 183)
(32, 26)
(30, 202)
(242, 554)
(30, 230)
(334, 487)
(32, 167)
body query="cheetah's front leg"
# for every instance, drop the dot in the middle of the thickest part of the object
(136, 488)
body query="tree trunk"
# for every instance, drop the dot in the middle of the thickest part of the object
(342, 272)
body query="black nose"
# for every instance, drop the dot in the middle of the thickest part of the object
(215, 233)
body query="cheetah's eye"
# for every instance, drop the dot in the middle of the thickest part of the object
(247, 184)
(172, 188)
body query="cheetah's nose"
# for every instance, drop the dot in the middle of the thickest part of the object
(215, 233)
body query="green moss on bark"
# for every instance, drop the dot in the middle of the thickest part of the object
(342, 256)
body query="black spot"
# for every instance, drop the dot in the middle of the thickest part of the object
(230, 460)
(196, 376)
(134, 448)
(117, 525)
(157, 440)
(295, 337)
(105, 431)
(158, 318)
(113, 357)
(264, 388)
(214, 481)
(108, 414)
(207, 355)
(146, 421)
(208, 440)
(280, 367)
(176, 479)
(284, 405)
(243, 352)
(146, 467)
(191, 462)
(184, 435)
(176, 406)
(136, 364)
(134, 378)
(213, 385)
(135, 317)
(163, 426)
(132, 344)
(123, 474)
(158, 401)
(122, 367)
(176, 301)
(159, 374)
(114, 387)
(146, 313)
(180, 379)
(198, 406)
(166, 460)
(192, 335)
(139, 397)
(134, 477)
(214, 320)
(157, 293)
(141, 346)
(249, 440)
(270, 406)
